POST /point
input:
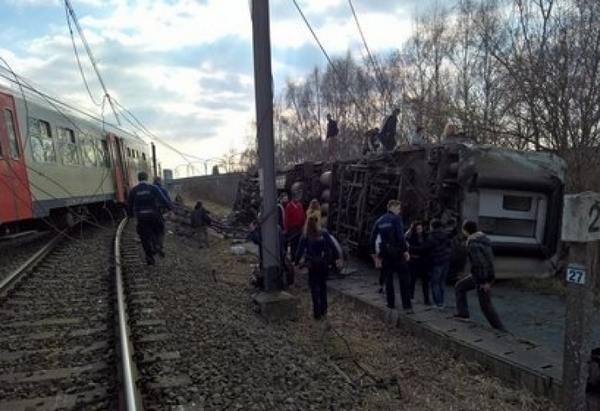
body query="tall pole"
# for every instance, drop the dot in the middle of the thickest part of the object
(263, 84)
(154, 163)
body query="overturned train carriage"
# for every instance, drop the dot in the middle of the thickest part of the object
(515, 196)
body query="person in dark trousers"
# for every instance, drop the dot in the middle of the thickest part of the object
(293, 223)
(144, 203)
(481, 278)
(160, 239)
(418, 265)
(255, 237)
(387, 135)
(315, 246)
(331, 136)
(393, 252)
(200, 220)
(436, 250)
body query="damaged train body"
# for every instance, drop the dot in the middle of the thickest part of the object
(515, 196)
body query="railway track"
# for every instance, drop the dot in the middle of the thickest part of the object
(57, 334)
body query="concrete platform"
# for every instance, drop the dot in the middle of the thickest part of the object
(512, 356)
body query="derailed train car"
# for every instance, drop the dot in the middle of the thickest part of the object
(515, 196)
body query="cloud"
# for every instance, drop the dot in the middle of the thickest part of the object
(185, 68)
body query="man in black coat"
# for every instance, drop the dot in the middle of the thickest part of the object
(481, 278)
(387, 135)
(145, 202)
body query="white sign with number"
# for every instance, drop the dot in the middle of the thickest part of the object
(581, 217)
(576, 274)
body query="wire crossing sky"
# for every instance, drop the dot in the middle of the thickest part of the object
(181, 69)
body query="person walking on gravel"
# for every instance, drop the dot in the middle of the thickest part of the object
(144, 202)
(481, 278)
(200, 221)
(315, 245)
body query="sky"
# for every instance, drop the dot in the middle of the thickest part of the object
(184, 68)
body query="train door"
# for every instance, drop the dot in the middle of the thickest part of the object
(15, 195)
(116, 153)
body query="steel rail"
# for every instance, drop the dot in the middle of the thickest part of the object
(131, 397)
(32, 261)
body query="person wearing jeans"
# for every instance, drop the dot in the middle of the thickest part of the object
(436, 250)
(482, 276)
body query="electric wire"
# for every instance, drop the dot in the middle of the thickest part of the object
(378, 75)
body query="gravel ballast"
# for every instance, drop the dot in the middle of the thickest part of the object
(351, 361)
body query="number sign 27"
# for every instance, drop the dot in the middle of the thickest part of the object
(576, 275)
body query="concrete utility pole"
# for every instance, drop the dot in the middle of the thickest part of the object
(581, 228)
(273, 303)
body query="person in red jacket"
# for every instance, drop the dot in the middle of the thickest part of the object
(293, 222)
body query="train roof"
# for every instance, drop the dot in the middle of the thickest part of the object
(23, 90)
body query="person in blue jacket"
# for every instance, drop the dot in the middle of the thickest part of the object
(316, 245)
(144, 203)
(393, 252)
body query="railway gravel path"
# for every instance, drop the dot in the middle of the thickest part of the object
(352, 361)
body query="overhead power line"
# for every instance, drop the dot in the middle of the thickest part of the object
(378, 75)
(71, 12)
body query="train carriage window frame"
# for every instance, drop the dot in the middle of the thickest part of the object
(89, 155)
(516, 203)
(14, 151)
(103, 153)
(42, 142)
(68, 146)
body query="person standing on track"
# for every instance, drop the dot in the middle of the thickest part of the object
(481, 278)
(144, 203)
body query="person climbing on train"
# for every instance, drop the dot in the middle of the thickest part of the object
(418, 265)
(314, 247)
(393, 253)
(387, 135)
(143, 203)
(481, 278)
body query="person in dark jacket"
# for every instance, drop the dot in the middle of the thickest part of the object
(144, 203)
(331, 136)
(418, 264)
(160, 238)
(387, 135)
(293, 223)
(436, 250)
(481, 278)
(315, 246)
(393, 252)
(200, 220)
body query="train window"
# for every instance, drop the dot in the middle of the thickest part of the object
(42, 145)
(128, 152)
(516, 203)
(507, 226)
(12, 134)
(68, 146)
(144, 156)
(103, 153)
(88, 151)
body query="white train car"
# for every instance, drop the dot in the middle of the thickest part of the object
(56, 161)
